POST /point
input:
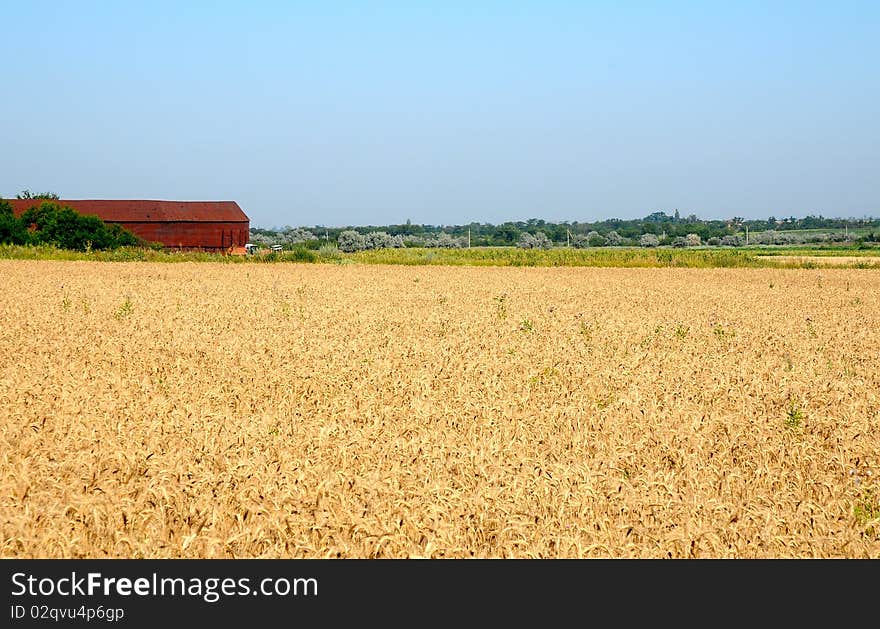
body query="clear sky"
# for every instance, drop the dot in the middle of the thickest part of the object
(442, 112)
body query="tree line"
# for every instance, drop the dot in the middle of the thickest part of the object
(667, 229)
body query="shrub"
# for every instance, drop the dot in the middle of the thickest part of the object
(441, 241)
(351, 241)
(526, 241)
(262, 239)
(297, 236)
(595, 239)
(768, 237)
(714, 241)
(813, 238)
(732, 241)
(301, 254)
(377, 240)
(679, 241)
(125, 238)
(543, 241)
(693, 240)
(649, 240)
(383, 240)
(538, 241)
(329, 252)
(579, 241)
(12, 230)
(613, 239)
(445, 241)
(63, 227)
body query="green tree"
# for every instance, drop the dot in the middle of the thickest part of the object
(27, 194)
(12, 230)
(595, 239)
(54, 224)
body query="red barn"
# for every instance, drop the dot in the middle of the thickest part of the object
(205, 225)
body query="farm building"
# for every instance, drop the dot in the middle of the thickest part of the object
(203, 225)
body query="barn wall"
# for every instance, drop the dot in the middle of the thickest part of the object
(201, 235)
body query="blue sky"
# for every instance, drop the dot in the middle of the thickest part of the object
(339, 113)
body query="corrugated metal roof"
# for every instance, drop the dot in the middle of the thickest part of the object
(141, 211)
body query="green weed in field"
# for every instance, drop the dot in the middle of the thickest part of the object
(124, 310)
(794, 417)
(501, 300)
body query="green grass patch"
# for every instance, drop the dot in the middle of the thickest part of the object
(661, 257)
(596, 257)
(867, 250)
(145, 254)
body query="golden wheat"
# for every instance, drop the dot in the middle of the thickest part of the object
(206, 410)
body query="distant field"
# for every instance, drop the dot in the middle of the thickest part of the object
(802, 250)
(216, 410)
(634, 257)
(696, 257)
(856, 232)
(826, 260)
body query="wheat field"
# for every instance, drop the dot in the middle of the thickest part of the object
(210, 410)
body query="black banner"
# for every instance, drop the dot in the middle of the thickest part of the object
(414, 592)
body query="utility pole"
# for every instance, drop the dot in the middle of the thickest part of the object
(747, 235)
(469, 237)
(567, 237)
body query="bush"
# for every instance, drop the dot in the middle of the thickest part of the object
(12, 230)
(262, 239)
(301, 254)
(679, 241)
(382, 240)
(329, 252)
(63, 227)
(595, 239)
(351, 241)
(773, 237)
(125, 238)
(579, 241)
(693, 240)
(714, 241)
(538, 241)
(444, 241)
(649, 240)
(732, 241)
(376, 240)
(297, 236)
(526, 241)
(765, 238)
(613, 239)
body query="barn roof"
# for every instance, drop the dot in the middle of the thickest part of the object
(140, 211)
